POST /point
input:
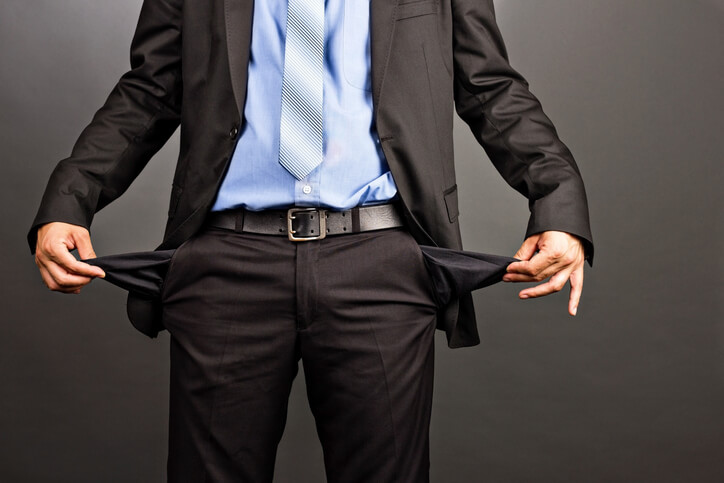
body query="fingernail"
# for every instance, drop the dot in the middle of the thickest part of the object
(506, 279)
(524, 296)
(575, 310)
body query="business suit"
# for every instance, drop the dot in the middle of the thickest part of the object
(425, 54)
(189, 66)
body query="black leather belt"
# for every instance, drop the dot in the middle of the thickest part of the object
(305, 224)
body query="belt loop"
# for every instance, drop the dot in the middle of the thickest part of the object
(239, 221)
(355, 220)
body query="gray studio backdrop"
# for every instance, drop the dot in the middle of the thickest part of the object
(630, 390)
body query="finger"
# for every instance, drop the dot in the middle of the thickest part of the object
(546, 272)
(63, 258)
(517, 277)
(555, 284)
(534, 267)
(47, 279)
(552, 255)
(66, 279)
(527, 249)
(53, 285)
(84, 246)
(576, 290)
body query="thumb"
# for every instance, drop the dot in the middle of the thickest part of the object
(528, 248)
(85, 248)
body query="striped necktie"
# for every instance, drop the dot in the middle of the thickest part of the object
(300, 135)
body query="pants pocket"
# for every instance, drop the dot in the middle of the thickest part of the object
(141, 272)
(456, 272)
(173, 261)
(424, 271)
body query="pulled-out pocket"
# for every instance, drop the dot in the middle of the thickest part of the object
(141, 272)
(456, 272)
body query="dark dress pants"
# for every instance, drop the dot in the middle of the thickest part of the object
(242, 309)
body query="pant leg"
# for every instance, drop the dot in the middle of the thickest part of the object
(228, 304)
(366, 339)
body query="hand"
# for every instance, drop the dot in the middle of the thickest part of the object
(58, 267)
(559, 256)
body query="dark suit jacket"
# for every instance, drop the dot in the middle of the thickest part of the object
(189, 68)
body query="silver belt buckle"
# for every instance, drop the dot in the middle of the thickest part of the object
(322, 224)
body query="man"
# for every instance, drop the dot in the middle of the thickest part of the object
(342, 106)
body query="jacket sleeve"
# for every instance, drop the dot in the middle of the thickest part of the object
(508, 121)
(138, 117)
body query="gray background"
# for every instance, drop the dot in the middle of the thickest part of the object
(631, 389)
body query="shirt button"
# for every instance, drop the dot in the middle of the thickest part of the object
(234, 131)
(307, 189)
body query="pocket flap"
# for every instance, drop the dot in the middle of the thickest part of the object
(415, 9)
(451, 202)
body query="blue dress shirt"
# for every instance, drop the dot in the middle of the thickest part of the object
(354, 170)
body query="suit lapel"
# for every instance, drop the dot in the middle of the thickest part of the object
(238, 15)
(382, 26)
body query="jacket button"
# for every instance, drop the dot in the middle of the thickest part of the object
(234, 131)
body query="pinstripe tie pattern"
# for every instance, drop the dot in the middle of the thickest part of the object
(301, 135)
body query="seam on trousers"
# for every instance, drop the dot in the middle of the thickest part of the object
(389, 403)
(213, 397)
